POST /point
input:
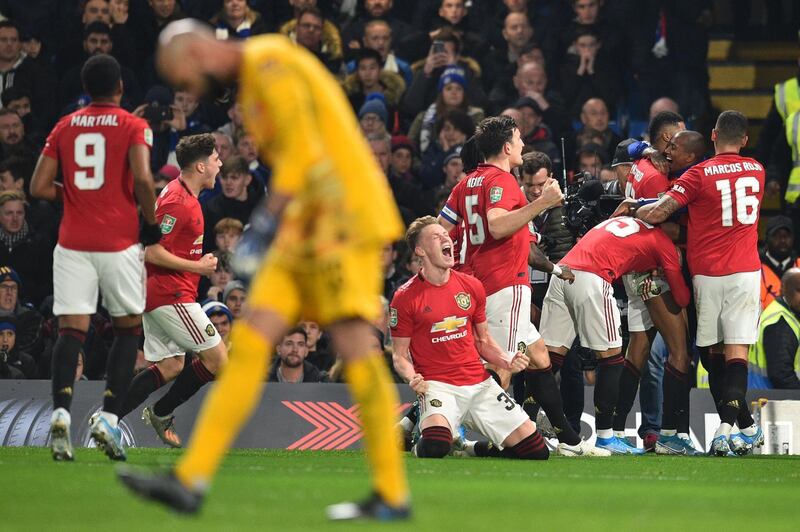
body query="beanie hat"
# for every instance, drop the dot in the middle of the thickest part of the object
(452, 74)
(374, 106)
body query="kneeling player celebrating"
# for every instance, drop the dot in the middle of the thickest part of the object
(439, 329)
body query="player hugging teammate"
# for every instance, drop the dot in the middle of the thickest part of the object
(722, 196)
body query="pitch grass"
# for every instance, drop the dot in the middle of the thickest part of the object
(285, 490)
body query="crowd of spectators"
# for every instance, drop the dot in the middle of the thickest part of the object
(419, 75)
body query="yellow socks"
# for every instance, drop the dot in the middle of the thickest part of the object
(371, 387)
(227, 407)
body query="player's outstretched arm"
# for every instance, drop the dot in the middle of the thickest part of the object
(658, 212)
(43, 182)
(143, 187)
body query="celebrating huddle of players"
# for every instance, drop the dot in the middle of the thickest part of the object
(443, 321)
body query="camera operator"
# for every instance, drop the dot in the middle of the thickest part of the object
(166, 120)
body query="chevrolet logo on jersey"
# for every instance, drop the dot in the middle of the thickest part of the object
(449, 324)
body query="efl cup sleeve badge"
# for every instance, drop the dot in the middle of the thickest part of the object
(463, 300)
(392, 317)
(495, 194)
(148, 136)
(167, 224)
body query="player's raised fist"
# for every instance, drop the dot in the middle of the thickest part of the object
(519, 362)
(551, 193)
(207, 264)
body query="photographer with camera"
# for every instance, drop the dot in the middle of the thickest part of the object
(167, 122)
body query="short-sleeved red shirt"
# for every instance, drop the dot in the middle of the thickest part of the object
(723, 195)
(91, 146)
(622, 245)
(645, 181)
(497, 263)
(181, 219)
(439, 320)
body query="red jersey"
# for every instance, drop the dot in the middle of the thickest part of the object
(497, 263)
(181, 219)
(439, 322)
(623, 245)
(91, 146)
(645, 181)
(723, 195)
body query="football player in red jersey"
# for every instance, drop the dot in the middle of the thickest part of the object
(587, 308)
(651, 306)
(496, 214)
(174, 322)
(723, 196)
(440, 334)
(103, 152)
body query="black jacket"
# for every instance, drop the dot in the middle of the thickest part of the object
(32, 258)
(780, 347)
(220, 207)
(310, 373)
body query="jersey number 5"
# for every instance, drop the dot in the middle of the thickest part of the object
(746, 202)
(90, 153)
(477, 233)
(620, 227)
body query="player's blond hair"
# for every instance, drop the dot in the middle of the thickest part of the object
(415, 229)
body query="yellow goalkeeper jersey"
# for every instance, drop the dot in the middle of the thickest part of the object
(307, 132)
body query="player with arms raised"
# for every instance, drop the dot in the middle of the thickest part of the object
(104, 155)
(173, 321)
(440, 334)
(723, 196)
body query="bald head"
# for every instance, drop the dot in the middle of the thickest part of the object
(790, 288)
(685, 149)
(693, 142)
(790, 280)
(663, 104)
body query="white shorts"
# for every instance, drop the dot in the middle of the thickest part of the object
(728, 308)
(483, 407)
(638, 316)
(508, 314)
(118, 275)
(586, 308)
(171, 330)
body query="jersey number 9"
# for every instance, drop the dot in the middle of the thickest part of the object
(90, 154)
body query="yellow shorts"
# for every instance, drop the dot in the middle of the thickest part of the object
(343, 284)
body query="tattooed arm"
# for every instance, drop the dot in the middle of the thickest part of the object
(660, 211)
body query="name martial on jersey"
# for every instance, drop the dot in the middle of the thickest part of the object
(94, 120)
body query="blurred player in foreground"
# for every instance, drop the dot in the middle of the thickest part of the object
(335, 213)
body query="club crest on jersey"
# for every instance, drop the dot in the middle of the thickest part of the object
(167, 224)
(449, 324)
(495, 194)
(210, 330)
(392, 317)
(436, 403)
(463, 300)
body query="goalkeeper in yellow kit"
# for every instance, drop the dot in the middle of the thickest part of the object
(314, 250)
